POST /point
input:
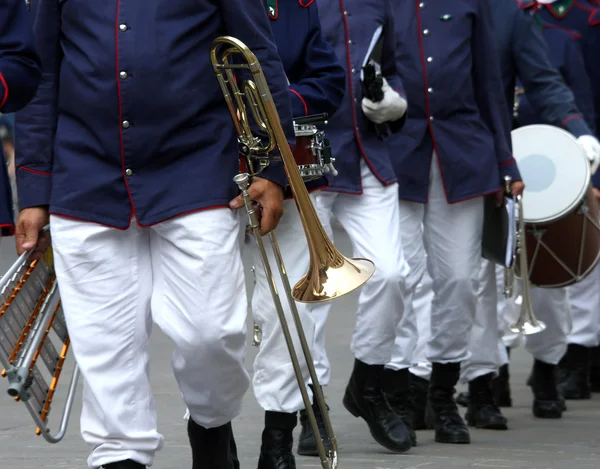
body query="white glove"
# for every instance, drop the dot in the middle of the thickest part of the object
(591, 147)
(392, 107)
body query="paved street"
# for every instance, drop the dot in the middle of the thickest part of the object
(570, 443)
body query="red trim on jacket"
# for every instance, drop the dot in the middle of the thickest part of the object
(3, 81)
(41, 173)
(301, 99)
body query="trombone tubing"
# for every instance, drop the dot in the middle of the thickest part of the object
(243, 181)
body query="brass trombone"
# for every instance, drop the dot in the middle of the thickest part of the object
(330, 274)
(527, 323)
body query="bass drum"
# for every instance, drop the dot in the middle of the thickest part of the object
(562, 220)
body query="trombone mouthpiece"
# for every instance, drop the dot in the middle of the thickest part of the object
(242, 180)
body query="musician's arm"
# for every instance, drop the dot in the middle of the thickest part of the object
(321, 80)
(550, 98)
(248, 21)
(35, 125)
(489, 93)
(20, 67)
(578, 81)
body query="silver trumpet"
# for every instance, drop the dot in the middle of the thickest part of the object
(527, 323)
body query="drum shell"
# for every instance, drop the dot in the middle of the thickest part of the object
(574, 239)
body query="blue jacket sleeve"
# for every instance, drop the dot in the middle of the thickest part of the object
(578, 81)
(550, 98)
(35, 125)
(319, 82)
(20, 67)
(249, 22)
(489, 92)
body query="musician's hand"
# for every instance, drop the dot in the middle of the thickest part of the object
(392, 107)
(591, 147)
(596, 193)
(516, 188)
(27, 231)
(269, 197)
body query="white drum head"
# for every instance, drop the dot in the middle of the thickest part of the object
(554, 169)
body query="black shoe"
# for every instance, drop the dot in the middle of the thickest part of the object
(307, 444)
(278, 441)
(364, 398)
(546, 398)
(211, 447)
(441, 408)
(482, 411)
(396, 389)
(595, 370)
(463, 399)
(501, 387)
(419, 387)
(128, 464)
(573, 373)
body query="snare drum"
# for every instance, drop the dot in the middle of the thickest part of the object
(312, 152)
(560, 211)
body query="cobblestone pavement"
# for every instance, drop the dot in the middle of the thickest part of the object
(570, 443)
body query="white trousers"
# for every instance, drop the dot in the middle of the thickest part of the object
(186, 275)
(445, 240)
(371, 221)
(275, 383)
(585, 310)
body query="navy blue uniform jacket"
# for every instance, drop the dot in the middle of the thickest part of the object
(349, 25)
(447, 60)
(317, 80)
(524, 55)
(585, 19)
(129, 119)
(566, 56)
(20, 72)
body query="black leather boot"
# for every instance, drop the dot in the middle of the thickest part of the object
(128, 464)
(419, 387)
(595, 370)
(211, 447)
(278, 441)
(441, 408)
(546, 398)
(573, 373)
(364, 398)
(396, 389)
(482, 410)
(307, 444)
(501, 387)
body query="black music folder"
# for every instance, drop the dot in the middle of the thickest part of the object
(498, 242)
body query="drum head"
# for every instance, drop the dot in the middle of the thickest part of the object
(554, 169)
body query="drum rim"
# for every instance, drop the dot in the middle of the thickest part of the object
(582, 194)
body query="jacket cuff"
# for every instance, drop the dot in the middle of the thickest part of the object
(510, 169)
(299, 106)
(3, 91)
(275, 172)
(34, 185)
(576, 126)
(596, 179)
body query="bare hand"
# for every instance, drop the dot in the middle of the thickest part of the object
(516, 188)
(596, 193)
(28, 231)
(269, 197)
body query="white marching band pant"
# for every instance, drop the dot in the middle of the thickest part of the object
(585, 310)
(371, 221)
(186, 275)
(445, 240)
(274, 381)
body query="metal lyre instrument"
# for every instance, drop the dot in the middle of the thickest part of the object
(34, 341)
(330, 275)
(526, 323)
